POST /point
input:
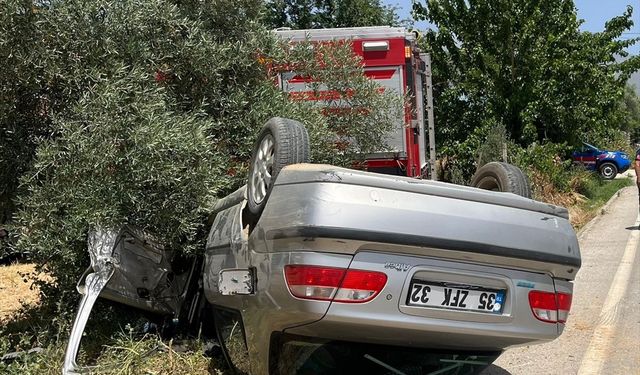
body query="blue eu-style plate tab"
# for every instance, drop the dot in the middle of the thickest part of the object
(497, 307)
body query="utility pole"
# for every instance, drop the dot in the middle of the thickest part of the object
(430, 121)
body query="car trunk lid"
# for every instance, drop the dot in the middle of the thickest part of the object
(324, 208)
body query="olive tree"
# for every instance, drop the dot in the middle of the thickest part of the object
(143, 113)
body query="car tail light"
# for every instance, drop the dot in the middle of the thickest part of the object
(564, 305)
(334, 284)
(550, 307)
(313, 282)
(360, 286)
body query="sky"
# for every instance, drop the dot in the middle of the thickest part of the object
(594, 13)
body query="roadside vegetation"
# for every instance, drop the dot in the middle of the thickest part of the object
(143, 112)
(599, 192)
(585, 197)
(524, 71)
(125, 353)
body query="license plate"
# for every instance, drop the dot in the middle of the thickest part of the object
(446, 296)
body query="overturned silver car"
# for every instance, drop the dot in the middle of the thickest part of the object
(315, 269)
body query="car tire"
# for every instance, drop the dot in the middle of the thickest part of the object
(503, 177)
(608, 170)
(281, 142)
(523, 181)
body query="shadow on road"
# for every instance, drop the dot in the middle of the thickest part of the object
(633, 228)
(495, 370)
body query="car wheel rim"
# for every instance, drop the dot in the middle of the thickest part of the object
(262, 170)
(607, 171)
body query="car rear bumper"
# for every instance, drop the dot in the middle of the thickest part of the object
(390, 320)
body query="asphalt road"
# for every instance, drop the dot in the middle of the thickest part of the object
(602, 335)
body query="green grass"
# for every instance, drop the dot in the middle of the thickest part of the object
(598, 191)
(589, 195)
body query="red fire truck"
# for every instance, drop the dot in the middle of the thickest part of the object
(392, 58)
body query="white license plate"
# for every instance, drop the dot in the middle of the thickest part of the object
(445, 296)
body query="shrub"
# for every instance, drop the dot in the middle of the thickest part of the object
(549, 159)
(122, 156)
(495, 147)
(487, 143)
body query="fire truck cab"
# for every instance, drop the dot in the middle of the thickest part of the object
(391, 57)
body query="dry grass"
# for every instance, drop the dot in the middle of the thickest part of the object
(545, 191)
(107, 353)
(152, 356)
(17, 289)
(126, 356)
(581, 208)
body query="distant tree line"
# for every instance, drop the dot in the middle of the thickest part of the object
(318, 14)
(524, 68)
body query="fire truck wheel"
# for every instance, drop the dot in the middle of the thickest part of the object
(280, 143)
(504, 177)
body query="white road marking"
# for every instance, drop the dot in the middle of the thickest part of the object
(600, 345)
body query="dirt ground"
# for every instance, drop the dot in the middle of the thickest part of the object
(15, 289)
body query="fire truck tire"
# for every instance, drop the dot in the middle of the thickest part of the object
(281, 142)
(503, 177)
